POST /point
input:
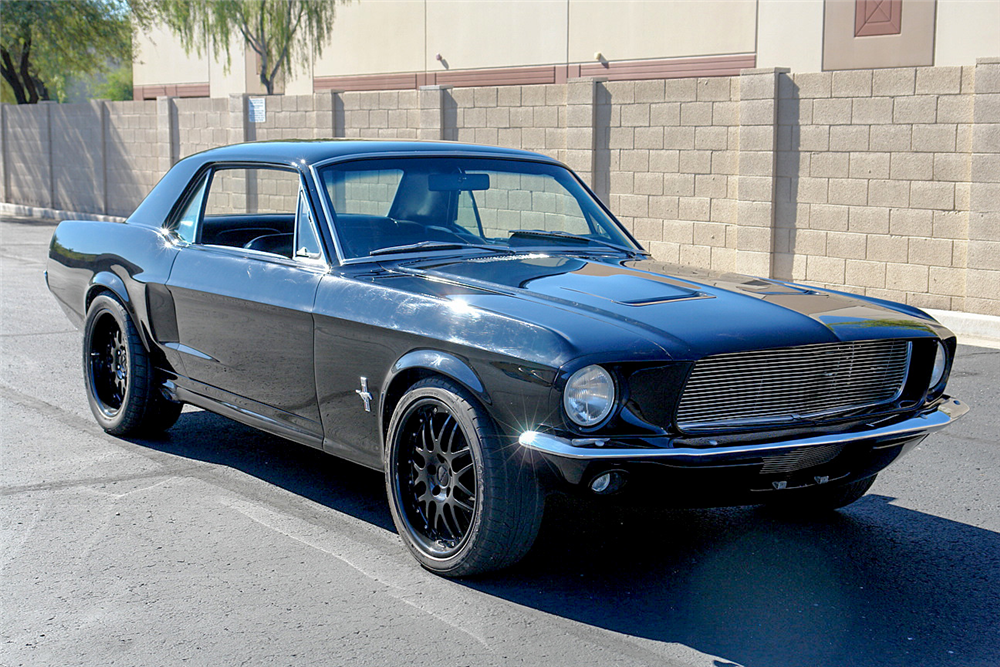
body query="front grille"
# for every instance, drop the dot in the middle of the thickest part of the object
(800, 459)
(792, 384)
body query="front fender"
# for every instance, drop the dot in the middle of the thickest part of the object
(433, 362)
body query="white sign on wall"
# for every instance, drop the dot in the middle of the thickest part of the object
(258, 111)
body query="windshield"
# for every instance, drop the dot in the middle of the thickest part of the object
(438, 203)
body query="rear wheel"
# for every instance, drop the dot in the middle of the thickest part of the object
(461, 500)
(119, 376)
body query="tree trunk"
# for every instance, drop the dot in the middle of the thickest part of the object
(10, 76)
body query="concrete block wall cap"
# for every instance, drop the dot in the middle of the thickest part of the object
(335, 91)
(765, 70)
(53, 214)
(588, 79)
(436, 87)
(993, 60)
(971, 328)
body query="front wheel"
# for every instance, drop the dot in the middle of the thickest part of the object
(461, 499)
(119, 375)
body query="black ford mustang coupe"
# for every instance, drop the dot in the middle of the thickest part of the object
(476, 324)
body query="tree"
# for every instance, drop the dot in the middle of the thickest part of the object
(44, 43)
(282, 32)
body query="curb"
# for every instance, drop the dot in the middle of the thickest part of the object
(53, 214)
(971, 328)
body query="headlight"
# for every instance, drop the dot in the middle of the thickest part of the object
(940, 361)
(589, 395)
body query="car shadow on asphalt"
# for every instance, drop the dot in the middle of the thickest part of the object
(346, 487)
(873, 584)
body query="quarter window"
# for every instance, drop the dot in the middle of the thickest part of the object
(306, 242)
(187, 224)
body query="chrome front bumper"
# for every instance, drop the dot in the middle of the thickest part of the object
(945, 413)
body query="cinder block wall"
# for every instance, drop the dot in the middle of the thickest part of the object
(131, 155)
(880, 182)
(27, 154)
(874, 182)
(201, 123)
(382, 115)
(670, 150)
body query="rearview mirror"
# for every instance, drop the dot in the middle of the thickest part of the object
(457, 182)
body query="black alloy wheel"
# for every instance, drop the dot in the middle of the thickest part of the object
(462, 502)
(119, 375)
(109, 363)
(438, 468)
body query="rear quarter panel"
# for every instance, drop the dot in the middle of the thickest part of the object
(131, 261)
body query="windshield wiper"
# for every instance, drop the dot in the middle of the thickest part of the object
(424, 246)
(572, 238)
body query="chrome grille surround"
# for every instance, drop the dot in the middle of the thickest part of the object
(787, 385)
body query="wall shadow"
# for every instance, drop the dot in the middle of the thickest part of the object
(449, 116)
(787, 169)
(602, 143)
(339, 116)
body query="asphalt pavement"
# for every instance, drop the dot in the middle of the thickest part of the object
(220, 545)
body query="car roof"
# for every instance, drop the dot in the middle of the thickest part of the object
(301, 154)
(308, 152)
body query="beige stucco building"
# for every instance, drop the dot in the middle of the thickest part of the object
(405, 44)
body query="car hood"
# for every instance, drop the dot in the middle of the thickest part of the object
(688, 313)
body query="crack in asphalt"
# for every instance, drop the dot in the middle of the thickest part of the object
(94, 481)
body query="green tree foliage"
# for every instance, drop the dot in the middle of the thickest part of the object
(117, 85)
(45, 43)
(282, 32)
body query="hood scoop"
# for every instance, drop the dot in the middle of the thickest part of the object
(630, 290)
(569, 278)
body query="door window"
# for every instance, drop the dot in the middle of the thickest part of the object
(261, 209)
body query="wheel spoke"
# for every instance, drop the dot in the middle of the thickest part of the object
(451, 434)
(465, 506)
(451, 521)
(426, 432)
(437, 473)
(462, 487)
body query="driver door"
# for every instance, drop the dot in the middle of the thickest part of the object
(243, 287)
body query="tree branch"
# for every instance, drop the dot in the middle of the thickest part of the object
(26, 78)
(10, 76)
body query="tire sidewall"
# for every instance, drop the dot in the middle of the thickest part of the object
(102, 306)
(395, 486)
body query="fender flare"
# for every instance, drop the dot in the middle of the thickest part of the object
(106, 280)
(435, 362)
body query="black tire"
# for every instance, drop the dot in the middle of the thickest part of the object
(119, 376)
(461, 498)
(820, 499)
